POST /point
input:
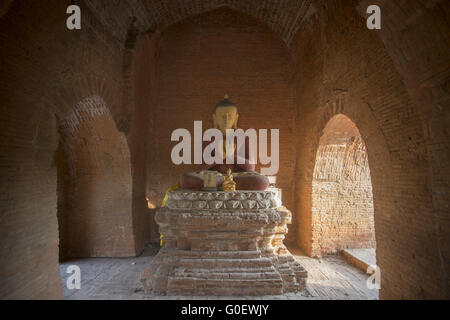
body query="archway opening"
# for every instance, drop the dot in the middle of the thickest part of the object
(342, 199)
(94, 185)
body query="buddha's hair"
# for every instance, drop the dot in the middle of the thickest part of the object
(226, 102)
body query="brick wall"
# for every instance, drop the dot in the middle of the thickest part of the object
(145, 100)
(416, 36)
(45, 72)
(345, 69)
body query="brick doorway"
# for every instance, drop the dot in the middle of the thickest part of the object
(342, 199)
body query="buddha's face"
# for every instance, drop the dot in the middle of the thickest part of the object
(226, 118)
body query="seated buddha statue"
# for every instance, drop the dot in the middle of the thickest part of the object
(226, 117)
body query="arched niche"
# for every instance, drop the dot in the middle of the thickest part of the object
(94, 184)
(198, 61)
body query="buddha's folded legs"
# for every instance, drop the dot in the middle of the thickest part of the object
(194, 180)
(244, 181)
(251, 181)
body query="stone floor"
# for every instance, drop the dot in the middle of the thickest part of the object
(116, 279)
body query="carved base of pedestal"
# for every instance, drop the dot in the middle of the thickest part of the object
(229, 273)
(220, 243)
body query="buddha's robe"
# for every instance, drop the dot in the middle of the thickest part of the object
(243, 174)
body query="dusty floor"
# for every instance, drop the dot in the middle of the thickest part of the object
(116, 279)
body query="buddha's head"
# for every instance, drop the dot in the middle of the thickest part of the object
(225, 115)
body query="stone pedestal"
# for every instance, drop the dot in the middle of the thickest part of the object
(223, 243)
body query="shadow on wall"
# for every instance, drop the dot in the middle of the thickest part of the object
(94, 185)
(342, 200)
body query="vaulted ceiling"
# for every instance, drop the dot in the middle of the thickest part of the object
(283, 16)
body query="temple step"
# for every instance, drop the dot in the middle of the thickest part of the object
(226, 263)
(186, 254)
(244, 273)
(224, 287)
